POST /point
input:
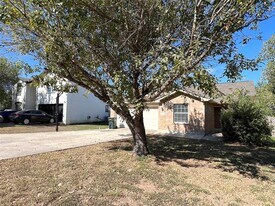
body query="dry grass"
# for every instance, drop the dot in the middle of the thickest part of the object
(180, 172)
(10, 128)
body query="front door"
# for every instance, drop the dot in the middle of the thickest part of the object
(217, 117)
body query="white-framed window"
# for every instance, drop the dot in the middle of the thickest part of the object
(180, 112)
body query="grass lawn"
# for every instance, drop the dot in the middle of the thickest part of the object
(179, 172)
(10, 128)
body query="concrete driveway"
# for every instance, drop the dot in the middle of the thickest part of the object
(23, 144)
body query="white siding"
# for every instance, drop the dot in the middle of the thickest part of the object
(43, 97)
(30, 98)
(77, 107)
(81, 107)
(26, 96)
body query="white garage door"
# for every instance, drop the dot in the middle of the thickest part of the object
(150, 117)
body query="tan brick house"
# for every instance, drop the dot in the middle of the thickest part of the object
(188, 111)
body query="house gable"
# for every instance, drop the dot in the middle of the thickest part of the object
(195, 110)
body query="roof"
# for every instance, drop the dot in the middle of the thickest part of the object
(26, 80)
(224, 88)
(230, 87)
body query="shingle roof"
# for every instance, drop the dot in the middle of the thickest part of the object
(225, 89)
(229, 88)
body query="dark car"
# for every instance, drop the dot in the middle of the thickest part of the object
(31, 116)
(6, 114)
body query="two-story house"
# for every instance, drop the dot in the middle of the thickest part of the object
(80, 107)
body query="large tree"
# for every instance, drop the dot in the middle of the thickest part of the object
(129, 53)
(9, 75)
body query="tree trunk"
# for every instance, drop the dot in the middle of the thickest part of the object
(139, 136)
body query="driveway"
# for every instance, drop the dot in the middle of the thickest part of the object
(23, 144)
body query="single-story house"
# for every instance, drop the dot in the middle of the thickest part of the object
(188, 110)
(81, 107)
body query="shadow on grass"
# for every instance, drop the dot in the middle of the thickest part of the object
(228, 157)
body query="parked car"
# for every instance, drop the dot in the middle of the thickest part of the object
(6, 113)
(1, 119)
(31, 116)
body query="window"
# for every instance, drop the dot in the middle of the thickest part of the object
(180, 113)
(107, 108)
(36, 112)
(19, 89)
(49, 89)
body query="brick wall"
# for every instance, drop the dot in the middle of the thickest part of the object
(195, 115)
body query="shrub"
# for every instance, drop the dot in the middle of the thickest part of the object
(245, 121)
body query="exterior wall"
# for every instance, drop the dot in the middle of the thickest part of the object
(82, 108)
(196, 118)
(18, 97)
(30, 97)
(25, 98)
(45, 97)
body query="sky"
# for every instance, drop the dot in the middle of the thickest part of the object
(250, 50)
(253, 49)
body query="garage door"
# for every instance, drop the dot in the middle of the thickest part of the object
(151, 119)
(50, 109)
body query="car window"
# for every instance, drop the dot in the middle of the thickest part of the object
(25, 112)
(36, 112)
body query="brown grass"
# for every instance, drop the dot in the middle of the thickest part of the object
(179, 172)
(10, 128)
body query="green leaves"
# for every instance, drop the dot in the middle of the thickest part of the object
(131, 52)
(244, 120)
(9, 75)
(268, 55)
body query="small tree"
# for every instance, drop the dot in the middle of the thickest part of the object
(9, 76)
(266, 88)
(265, 98)
(244, 120)
(268, 54)
(128, 53)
